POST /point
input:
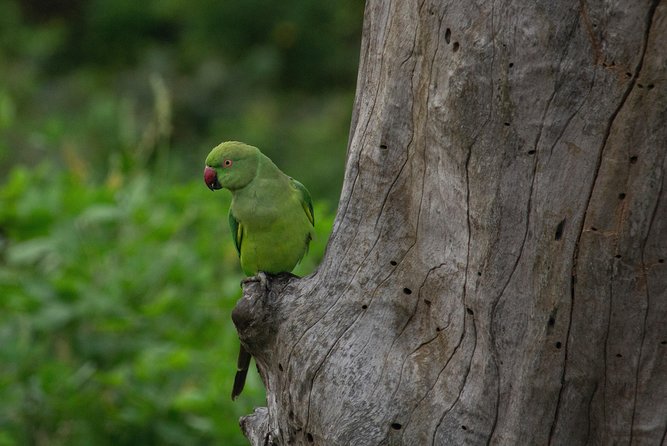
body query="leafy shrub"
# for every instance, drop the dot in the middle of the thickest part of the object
(115, 304)
(132, 80)
(117, 271)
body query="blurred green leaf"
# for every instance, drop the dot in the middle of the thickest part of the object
(30, 251)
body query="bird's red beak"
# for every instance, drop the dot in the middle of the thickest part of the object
(211, 178)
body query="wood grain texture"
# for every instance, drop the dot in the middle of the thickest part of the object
(497, 272)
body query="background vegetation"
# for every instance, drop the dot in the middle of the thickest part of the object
(117, 273)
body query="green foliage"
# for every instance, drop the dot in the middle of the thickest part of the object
(117, 271)
(127, 82)
(115, 313)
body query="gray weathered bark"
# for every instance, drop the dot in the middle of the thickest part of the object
(496, 273)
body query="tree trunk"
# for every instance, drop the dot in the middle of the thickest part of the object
(496, 273)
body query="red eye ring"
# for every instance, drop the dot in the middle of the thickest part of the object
(227, 163)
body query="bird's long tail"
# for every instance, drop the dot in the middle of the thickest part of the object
(242, 365)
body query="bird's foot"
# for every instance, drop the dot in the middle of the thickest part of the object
(261, 277)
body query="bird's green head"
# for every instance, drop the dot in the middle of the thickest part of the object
(231, 165)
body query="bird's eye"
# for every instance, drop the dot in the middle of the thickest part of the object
(227, 163)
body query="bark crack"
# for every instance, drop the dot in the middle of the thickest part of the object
(360, 315)
(515, 266)
(465, 380)
(595, 43)
(393, 183)
(349, 199)
(588, 414)
(493, 352)
(533, 182)
(428, 101)
(604, 352)
(569, 119)
(365, 133)
(412, 136)
(601, 150)
(463, 333)
(342, 218)
(417, 300)
(435, 382)
(333, 304)
(648, 302)
(422, 190)
(340, 296)
(414, 311)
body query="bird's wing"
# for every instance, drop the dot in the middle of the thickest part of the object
(237, 231)
(306, 201)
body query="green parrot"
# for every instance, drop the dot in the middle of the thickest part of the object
(271, 217)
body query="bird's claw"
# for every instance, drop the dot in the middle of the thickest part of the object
(260, 277)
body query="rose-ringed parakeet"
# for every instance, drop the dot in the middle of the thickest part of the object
(270, 217)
